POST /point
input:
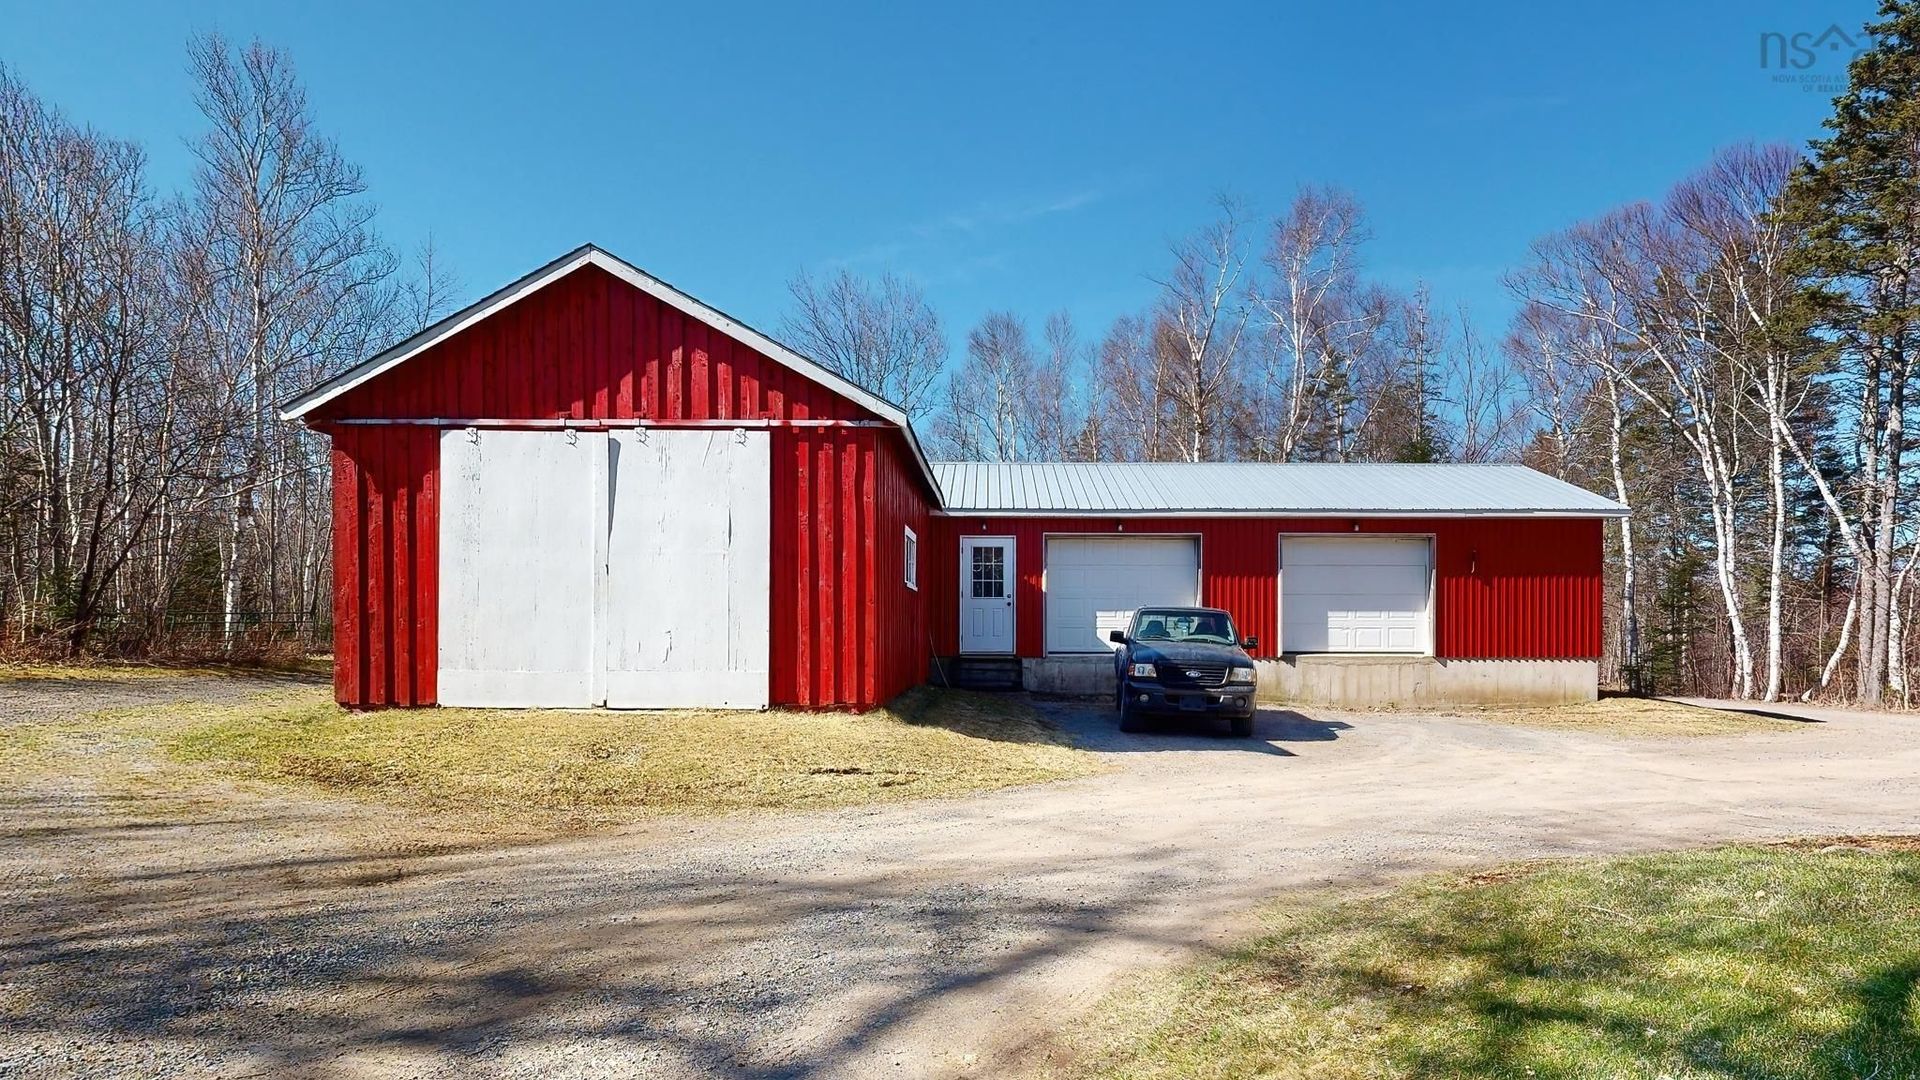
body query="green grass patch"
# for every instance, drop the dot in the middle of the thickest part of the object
(605, 764)
(1641, 717)
(1755, 962)
(19, 744)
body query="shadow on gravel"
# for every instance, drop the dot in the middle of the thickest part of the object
(1092, 725)
(692, 964)
(1750, 710)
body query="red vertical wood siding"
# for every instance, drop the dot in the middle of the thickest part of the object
(1505, 588)
(572, 348)
(846, 631)
(386, 565)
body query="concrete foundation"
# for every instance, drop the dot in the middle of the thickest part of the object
(1376, 682)
(1361, 682)
(1080, 675)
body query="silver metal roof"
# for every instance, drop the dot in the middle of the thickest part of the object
(1336, 490)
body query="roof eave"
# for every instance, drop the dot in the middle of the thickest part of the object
(974, 511)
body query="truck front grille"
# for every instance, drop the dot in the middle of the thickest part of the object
(1202, 674)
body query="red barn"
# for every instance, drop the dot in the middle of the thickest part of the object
(590, 488)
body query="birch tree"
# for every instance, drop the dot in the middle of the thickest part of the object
(1313, 307)
(1634, 273)
(1202, 318)
(990, 394)
(287, 256)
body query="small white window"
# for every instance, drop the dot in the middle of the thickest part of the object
(913, 561)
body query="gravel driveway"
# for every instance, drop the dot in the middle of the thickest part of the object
(928, 939)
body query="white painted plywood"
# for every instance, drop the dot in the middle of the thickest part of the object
(1354, 594)
(688, 557)
(1095, 583)
(521, 517)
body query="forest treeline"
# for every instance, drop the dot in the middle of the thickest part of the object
(1730, 361)
(150, 497)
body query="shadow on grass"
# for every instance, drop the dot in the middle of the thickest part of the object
(977, 714)
(1591, 991)
(1740, 707)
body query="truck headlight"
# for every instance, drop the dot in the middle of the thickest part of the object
(1241, 675)
(1143, 671)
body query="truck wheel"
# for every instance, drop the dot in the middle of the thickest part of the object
(1243, 727)
(1130, 720)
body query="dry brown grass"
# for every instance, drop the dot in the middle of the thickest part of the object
(83, 670)
(1641, 717)
(584, 767)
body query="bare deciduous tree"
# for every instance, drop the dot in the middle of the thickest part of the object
(882, 335)
(1203, 314)
(990, 394)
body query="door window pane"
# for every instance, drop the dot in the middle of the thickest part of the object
(989, 573)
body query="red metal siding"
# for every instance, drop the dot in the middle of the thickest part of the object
(1507, 588)
(846, 631)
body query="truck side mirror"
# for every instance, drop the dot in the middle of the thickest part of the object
(1118, 637)
(1250, 644)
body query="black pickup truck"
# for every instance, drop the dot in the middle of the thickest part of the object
(1183, 662)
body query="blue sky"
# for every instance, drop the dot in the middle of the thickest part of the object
(1017, 156)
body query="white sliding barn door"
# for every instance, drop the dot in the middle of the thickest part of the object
(522, 540)
(688, 564)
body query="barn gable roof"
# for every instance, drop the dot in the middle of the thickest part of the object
(592, 255)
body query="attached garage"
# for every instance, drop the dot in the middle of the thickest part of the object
(1094, 584)
(1355, 584)
(1355, 594)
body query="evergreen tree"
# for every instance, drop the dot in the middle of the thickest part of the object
(1854, 203)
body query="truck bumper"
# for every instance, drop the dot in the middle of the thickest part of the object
(1230, 701)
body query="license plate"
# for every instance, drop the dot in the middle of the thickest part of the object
(1193, 704)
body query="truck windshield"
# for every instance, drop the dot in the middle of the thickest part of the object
(1183, 624)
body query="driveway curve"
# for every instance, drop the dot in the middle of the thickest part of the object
(930, 939)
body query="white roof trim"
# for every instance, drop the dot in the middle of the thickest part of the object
(1339, 515)
(586, 255)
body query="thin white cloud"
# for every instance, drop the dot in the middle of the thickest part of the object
(1006, 212)
(949, 243)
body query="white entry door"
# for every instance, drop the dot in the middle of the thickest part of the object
(986, 594)
(522, 529)
(1354, 594)
(688, 564)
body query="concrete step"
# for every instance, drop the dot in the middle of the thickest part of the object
(984, 672)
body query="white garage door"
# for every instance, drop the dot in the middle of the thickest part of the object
(1353, 594)
(522, 517)
(579, 569)
(1094, 584)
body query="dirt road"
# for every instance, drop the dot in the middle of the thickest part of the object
(928, 939)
